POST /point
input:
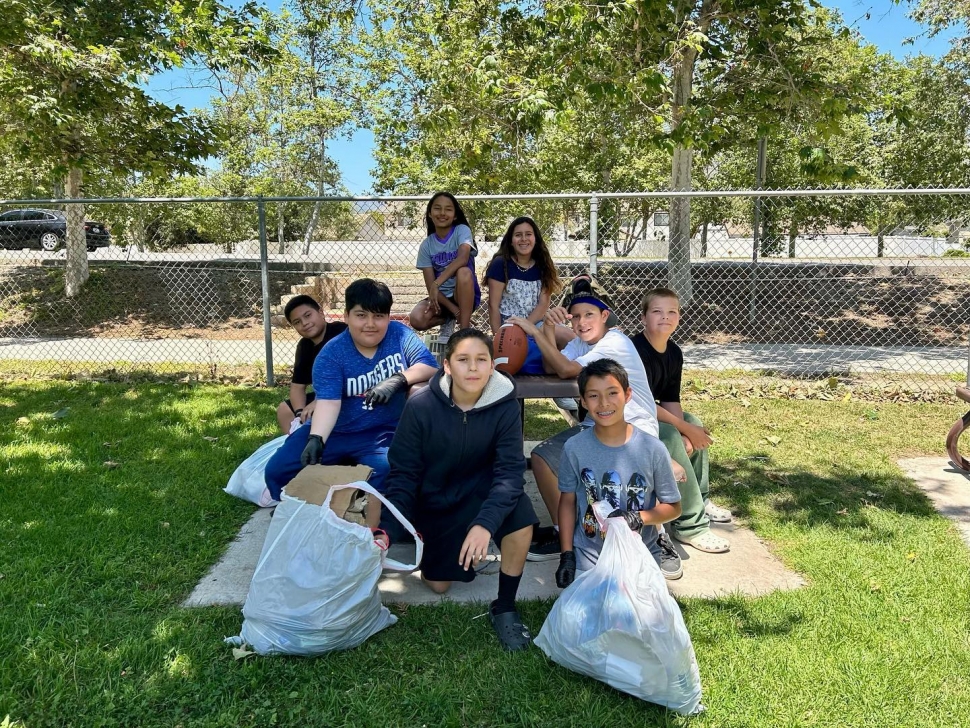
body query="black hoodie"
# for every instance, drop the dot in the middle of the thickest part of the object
(441, 456)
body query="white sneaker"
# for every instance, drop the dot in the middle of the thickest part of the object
(446, 330)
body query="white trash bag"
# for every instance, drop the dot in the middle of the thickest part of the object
(249, 480)
(315, 585)
(618, 623)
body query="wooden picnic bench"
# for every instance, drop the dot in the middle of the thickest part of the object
(537, 386)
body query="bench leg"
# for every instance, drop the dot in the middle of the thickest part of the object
(952, 440)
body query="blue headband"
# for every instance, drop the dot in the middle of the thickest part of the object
(591, 300)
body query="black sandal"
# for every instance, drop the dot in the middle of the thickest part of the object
(512, 634)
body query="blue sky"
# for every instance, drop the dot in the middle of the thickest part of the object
(881, 22)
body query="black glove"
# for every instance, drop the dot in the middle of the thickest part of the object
(313, 452)
(566, 572)
(632, 518)
(382, 393)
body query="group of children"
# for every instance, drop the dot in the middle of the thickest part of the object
(450, 456)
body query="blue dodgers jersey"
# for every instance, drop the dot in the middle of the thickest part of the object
(341, 372)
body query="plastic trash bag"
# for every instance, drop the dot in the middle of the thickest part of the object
(618, 623)
(249, 481)
(315, 585)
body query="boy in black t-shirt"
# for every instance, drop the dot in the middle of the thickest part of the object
(686, 438)
(305, 316)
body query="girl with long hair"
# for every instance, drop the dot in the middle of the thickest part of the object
(446, 259)
(521, 278)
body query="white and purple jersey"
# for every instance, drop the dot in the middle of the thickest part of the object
(342, 372)
(438, 253)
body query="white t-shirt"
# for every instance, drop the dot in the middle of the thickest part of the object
(641, 410)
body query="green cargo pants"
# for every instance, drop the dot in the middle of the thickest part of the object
(693, 493)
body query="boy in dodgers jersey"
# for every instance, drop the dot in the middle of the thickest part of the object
(361, 379)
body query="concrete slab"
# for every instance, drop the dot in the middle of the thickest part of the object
(748, 568)
(948, 487)
(228, 581)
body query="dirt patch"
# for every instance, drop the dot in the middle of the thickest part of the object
(139, 302)
(837, 304)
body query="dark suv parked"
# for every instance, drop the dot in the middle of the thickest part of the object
(45, 229)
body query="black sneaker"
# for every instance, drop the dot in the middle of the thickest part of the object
(544, 550)
(670, 565)
(541, 534)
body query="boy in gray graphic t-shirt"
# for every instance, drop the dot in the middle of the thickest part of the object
(612, 461)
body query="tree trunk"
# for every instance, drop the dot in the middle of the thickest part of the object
(315, 92)
(680, 179)
(704, 239)
(606, 226)
(76, 258)
(953, 233)
(679, 242)
(792, 234)
(139, 235)
(880, 237)
(315, 215)
(645, 213)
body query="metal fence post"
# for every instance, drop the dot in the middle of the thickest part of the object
(756, 225)
(594, 205)
(264, 271)
(968, 361)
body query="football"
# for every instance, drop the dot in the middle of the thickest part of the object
(511, 348)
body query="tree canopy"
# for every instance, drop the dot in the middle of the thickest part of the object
(71, 94)
(482, 96)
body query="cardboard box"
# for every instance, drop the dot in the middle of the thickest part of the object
(313, 483)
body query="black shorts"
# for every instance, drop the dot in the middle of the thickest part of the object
(445, 533)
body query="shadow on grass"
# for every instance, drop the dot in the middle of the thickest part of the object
(95, 469)
(738, 612)
(838, 500)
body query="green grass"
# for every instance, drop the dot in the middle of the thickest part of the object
(112, 511)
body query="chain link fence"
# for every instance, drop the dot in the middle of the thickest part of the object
(812, 284)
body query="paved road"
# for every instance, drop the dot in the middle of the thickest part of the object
(806, 359)
(399, 252)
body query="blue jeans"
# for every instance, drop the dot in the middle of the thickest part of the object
(355, 448)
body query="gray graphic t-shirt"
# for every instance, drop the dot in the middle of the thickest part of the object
(633, 476)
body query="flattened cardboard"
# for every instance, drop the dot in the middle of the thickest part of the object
(313, 483)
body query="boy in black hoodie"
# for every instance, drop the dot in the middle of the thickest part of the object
(457, 473)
